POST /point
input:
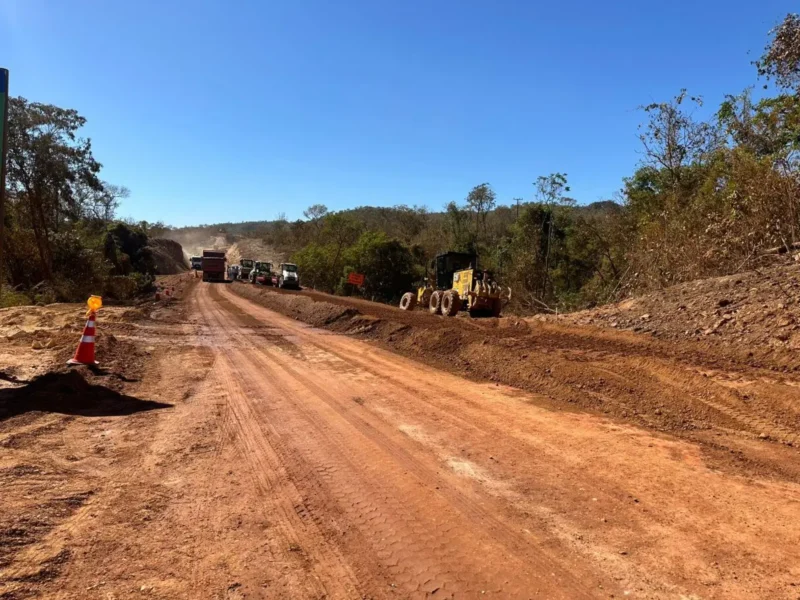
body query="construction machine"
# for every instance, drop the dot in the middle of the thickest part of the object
(455, 283)
(261, 273)
(245, 266)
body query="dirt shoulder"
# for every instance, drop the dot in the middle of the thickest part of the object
(91, 460)
(745, 415)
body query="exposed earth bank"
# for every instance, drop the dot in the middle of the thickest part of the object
(742, 406)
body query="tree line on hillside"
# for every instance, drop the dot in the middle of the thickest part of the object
(708, 198)
(61, 240)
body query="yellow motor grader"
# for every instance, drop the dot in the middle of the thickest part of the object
(457, 284)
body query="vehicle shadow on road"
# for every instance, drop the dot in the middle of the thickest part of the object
(70, 394)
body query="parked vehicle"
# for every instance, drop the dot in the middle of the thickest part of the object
(213, 265)
(261, 273)
(245, 267)
(286, 276)
(196, 262)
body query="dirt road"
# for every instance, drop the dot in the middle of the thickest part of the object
(298, 463)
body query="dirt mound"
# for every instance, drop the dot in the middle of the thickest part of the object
(168, 256)
(303, 308)
(69, 393)
(758, 310)
(40, 339)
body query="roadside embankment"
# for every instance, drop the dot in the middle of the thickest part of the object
(745, 415)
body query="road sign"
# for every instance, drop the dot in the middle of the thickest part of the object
(3, 149)
(356, 279)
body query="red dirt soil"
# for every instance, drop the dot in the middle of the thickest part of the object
(746, 417)
(756, 311)
(232, 450)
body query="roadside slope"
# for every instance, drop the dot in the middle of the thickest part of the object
(745, 416)
(757, 309)
(168, 256)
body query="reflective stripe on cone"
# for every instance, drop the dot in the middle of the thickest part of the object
(84, 355)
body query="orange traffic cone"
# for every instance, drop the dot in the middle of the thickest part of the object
(84, 355)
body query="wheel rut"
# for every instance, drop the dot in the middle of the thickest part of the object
(358, 482)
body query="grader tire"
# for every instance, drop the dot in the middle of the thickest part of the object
(451, 303)
(408, 301)
(435, 307)
(497, 307)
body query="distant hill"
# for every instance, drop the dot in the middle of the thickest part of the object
(375, 217)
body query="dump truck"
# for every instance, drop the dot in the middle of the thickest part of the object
(455, 283)
(213, 265)
(261, 273)
(286, 276)
(245, 267)
(197, 262)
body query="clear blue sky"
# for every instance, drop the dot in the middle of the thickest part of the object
(212, 110)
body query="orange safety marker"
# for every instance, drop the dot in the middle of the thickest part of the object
(84, 355)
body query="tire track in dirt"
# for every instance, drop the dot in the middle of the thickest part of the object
(471, 414)
(331, 574)
(569, 368)
(399, 552)
(691, 501)
(427, 540)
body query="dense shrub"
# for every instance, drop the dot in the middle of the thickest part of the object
(387, 266)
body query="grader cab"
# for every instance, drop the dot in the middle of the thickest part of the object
(456, 284)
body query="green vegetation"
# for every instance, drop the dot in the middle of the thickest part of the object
(61, 240)
(708, 198)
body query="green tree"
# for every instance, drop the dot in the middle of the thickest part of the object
(781, 59)
(408, 222)
(770, 127)
(550, 193)
(49, 170)
(551, 190)
(312, 261)
(387, 265)
(673, 139)
(459, 233)
(315, 214)
(101, 203)
(340, 231)
(481, 200)
(130, 250)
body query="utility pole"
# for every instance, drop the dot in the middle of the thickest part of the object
(4, 101)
